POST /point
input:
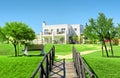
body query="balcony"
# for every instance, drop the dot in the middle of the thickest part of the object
(62, 32)
(47, 33)
(55, 33)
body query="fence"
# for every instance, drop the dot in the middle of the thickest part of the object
(81, 68)
(43, 69)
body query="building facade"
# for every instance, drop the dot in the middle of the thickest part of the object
(59, 33)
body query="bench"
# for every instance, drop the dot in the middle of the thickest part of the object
(34, 47)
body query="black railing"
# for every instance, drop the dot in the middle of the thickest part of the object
(45, 66)
(82, 69)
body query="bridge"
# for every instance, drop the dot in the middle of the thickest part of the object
(50, 67)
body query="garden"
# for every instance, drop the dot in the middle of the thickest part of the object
(23, 66)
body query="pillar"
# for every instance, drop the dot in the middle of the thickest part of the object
(52, 37)
(41, 40)
(65, 37)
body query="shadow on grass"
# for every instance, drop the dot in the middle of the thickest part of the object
(114, 57)
(95, 75)
(32, 55)
(111, 56)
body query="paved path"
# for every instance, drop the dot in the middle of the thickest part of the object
(69, 56)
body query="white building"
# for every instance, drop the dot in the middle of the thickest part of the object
(59, 33)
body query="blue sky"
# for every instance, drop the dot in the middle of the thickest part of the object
(34, 12)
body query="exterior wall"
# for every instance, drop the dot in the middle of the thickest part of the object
(53, 33)
(76, 29)
(57, 29)
(37, 39)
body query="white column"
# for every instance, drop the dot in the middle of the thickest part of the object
(53, 37)
(83, 40)
(65, 37)
(41, 41)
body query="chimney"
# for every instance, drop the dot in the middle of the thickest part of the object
(43, 24)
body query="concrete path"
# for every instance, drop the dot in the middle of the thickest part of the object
(69, 56)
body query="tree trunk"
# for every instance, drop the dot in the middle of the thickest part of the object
(102, 49)
(111, 48)
(18, 49)
(110, 44)
(15, 50)
(105, 48)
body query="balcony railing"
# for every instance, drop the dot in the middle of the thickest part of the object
(47, 33)
(62, 32)
(50, 33)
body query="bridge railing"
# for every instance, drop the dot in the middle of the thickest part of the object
(45, 66)
(81, 68)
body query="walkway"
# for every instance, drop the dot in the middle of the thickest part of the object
(49, 67)
(63, 69)
(69, 56)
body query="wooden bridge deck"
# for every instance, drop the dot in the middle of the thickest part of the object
(63, 69)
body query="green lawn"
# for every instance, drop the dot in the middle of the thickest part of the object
(105, 67)
(87, 47)
(6, 49)
(17, 67)
(62, 49)
(23, 66)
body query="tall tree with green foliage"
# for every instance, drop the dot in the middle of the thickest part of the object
(118, 31)
(2, 35)
(90, 34)
(101, 28)
(75, 38)
(117, 35)
(17, 32)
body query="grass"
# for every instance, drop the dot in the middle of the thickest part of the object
(87, 47)
(105, 67)
(6, 49)
(62, 49)
(23, 66)
(16, 67)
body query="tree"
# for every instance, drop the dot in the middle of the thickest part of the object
(90, 34)
(101, 28)
(118, 31)
(117, 35)
(73, 39)
(17, 32)
(62, 39)
(2, 35)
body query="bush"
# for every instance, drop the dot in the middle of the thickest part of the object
(116, 41)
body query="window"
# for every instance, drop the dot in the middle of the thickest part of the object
(75, 29)
(45, 31)
(57, 30)
(51, 30)
(62, 30)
